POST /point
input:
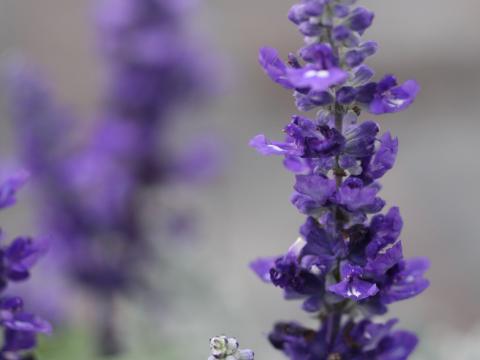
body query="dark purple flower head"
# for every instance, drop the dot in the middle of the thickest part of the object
(298, 279)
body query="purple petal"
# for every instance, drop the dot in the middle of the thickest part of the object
(274, 67)
(355, 289)
(360, 139)
(316, 79)
(385, 261)
(267, 147)
(395, 99)
(385, 230)
(312, 304)
(384, 158)
(312, 192)
(28, 322)
(262, 267)
(355, 196)
(397, 346)
(408, 282)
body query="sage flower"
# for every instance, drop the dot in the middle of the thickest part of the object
(347, 265)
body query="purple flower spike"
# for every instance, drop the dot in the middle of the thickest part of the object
(348, 265)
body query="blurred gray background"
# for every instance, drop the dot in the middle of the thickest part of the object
(247, 214)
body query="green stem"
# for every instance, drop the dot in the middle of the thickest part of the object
(109, 344)
(335, 317)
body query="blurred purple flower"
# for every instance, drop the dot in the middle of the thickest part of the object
(9, 188)
(91, 192)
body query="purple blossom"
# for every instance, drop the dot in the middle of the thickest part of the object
(355, 196)
(9, 188)
(387, 96)
(312, 192)
(267, 147)
(360, 139)
(383, 160)
(274, 67)
(20, 256)
(407, 280)
(352, 286)
(304, 139)
(349, 259)
(317, 75)
(322, 248)
(360, 19)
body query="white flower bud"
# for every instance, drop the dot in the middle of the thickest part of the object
(226, 348)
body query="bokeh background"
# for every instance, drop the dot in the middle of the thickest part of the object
(206, 285)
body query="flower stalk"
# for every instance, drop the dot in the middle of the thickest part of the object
(348, 264)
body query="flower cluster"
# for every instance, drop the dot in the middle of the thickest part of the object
(348, 263)
(20, 327)
(227, 348)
